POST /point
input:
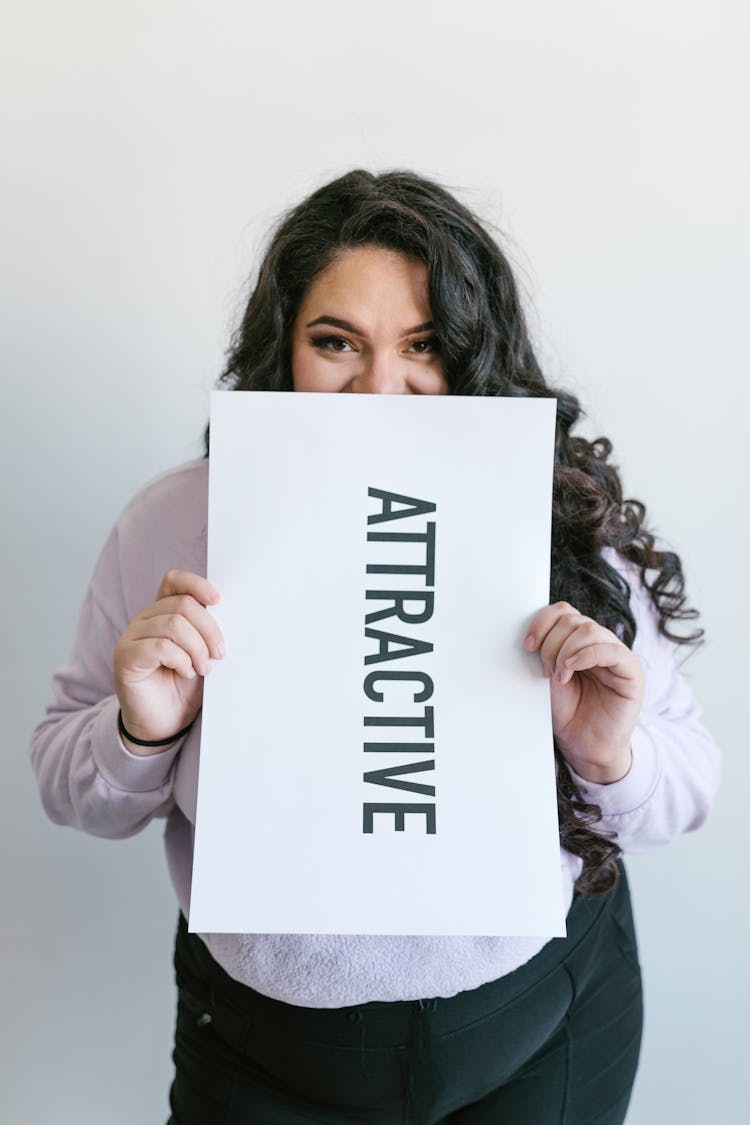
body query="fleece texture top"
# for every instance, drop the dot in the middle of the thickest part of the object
(89, 780)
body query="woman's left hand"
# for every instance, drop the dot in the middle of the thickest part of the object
(596, 687)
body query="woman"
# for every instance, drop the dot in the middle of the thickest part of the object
(386, 284)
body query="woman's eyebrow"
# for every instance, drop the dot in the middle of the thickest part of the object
(348, 327)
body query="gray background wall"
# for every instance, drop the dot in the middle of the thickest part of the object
(150, 144)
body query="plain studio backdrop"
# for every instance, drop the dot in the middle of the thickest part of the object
(149, 144)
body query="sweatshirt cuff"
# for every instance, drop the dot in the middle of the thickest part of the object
(121, 769)
(632, 790)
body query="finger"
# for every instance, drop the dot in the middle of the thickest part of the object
(544, 620)
(614, 656)
(175, 627)
(185, 605)
(142, 657)
(587, 633)
(186, 582)
(563, 628)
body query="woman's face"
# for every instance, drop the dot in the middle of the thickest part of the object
(364, 326)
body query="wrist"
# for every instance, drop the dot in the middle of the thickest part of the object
(614, 769)
(134, 743)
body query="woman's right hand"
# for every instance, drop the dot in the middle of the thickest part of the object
(162, 656)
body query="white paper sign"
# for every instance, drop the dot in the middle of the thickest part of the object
(376, 751)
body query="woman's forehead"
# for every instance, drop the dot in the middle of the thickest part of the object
(371, 276)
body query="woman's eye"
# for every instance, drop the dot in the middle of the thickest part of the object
(339, 344)
(331, 344)
(429, 345)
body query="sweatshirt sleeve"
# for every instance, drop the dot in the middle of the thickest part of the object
(675, 768)
(87, 778)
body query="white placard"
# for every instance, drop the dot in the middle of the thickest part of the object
(307, 822)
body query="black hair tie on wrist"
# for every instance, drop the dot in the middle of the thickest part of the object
(143, 741)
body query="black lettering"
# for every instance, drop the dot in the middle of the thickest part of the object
(399, 748)
(427, 721)
(399, 599)
(428, 538)
(388, 512)
(386, 776)
(400, 812)
(385, 640)
(422, 678)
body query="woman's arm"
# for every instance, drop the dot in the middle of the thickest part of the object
(675, 767)
(87, 779)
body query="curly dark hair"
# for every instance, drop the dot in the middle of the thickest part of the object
(478, 318)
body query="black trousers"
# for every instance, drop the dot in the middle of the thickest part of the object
(554, 1043)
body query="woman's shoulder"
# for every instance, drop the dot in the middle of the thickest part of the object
(184, 487)
(163, 526)
(175, 500)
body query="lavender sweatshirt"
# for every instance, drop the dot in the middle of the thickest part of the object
(88, 779)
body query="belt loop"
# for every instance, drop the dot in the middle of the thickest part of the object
(357, 1017)
(419, 1078)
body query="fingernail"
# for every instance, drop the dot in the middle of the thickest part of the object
(206, 668)
(530, 640)
(220, 650)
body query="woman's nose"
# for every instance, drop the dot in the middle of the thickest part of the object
(380, 375)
